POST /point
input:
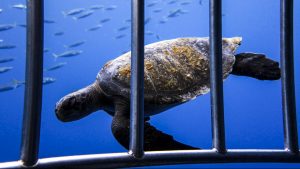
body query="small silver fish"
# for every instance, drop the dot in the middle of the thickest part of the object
(185, 3)
(46, 50)
(163, 21)
(120, 36)
(22, 25)
(69, 53)
(15, 84)
(94, 28)
(7, 59)
(48, 21)
(48, 80)
(123, 28)
(73, 12)
(75, 44)
(174, 13)
(152, 4)
(96, 7)
(5, 27)
(59, 33)
(149, 33)
(4, 88)
(184, 11)
(56, 66)
(19, 6)
(105, 20)
(110, 8)
(5, 69)
(157, 10)
(172, 2)
(84, 15)
(7, 46)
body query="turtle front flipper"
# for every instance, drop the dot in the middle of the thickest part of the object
(257, 66)
(79, 104)
(154, 140)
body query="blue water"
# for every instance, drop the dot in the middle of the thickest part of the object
(253, 111)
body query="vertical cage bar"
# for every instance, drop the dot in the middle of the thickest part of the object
(137, 80)
(216, 77)
(287, 76)
(33, 86)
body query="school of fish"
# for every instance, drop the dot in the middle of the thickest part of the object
(71, 50)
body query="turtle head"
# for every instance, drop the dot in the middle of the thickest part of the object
(79, 104)
(230, 45)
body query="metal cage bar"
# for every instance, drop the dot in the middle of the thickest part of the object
(118, 160)
(216, 76)
(31, 124)
(137, 80)
(287, 76)
(33, 86)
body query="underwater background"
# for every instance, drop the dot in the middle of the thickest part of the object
(99, 32)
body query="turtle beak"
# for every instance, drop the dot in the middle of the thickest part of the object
(66, 109)
(78, 104)
(236, 40)
(71, 108)
(231, 44)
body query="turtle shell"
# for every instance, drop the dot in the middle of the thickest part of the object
(175, 71)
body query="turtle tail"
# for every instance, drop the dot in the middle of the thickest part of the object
(257, 66)
(79, 104)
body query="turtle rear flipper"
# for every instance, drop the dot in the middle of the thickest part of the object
(257, 66)
(154, 140)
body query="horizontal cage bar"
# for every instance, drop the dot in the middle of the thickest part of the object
(118, 160)
(31, 125)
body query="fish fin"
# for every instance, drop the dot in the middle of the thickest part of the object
(17, 83)
(55, 56)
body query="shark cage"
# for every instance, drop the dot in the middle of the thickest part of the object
(136, 155)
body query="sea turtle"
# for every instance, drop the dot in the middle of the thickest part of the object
(176, 71)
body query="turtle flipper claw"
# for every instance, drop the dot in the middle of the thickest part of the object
(257, 66)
